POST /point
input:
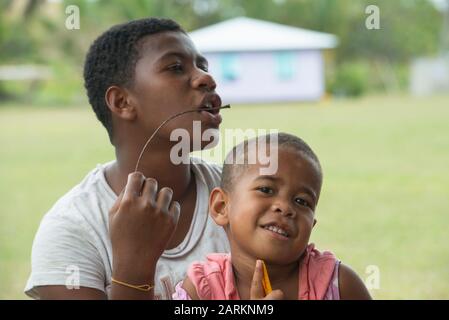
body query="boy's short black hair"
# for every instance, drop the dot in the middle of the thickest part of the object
(112, 58)
(232, 169)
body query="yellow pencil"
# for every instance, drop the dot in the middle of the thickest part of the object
(266, 280)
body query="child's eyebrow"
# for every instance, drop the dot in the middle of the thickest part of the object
(183, 56)
(267, 177)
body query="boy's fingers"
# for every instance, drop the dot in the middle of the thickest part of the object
(257, 291)
(175, 211)
(149, 190)
(164, 199)
(117, 203)
(133, 186)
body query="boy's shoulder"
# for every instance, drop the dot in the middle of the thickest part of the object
(89, 199)
(206, 165)
(209, 172)
(92, 198)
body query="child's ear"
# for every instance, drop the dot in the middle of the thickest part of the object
(120, 103)
(218, 201)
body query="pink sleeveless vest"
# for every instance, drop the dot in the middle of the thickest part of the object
(214, 279)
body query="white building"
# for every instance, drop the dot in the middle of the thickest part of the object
(260, 61)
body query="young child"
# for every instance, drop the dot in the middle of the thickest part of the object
(270, 218)
(118, 235)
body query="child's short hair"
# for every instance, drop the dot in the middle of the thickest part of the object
(112, 58)
(232, 169)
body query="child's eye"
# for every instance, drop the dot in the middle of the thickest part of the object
(302, 202)
(177, 67)
(266, 190)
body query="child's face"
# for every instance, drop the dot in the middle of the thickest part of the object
(170, 77)
(286, 200)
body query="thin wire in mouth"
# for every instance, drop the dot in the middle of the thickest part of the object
(167, 120)
(211, 110)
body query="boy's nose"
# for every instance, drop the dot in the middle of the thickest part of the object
(284, 209)
(203, 80)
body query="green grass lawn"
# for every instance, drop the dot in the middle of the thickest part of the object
(385, 199)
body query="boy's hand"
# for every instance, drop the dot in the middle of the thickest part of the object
(257, 292)
(141, 223)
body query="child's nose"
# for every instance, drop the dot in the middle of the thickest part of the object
(284, 209)
(203, 80)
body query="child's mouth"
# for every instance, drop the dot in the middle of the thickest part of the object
(277, 232)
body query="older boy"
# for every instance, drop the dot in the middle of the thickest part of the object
(133, 246)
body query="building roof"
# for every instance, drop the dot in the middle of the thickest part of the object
(246, 34)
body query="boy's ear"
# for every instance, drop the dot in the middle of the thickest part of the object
(120, 103)
(218, 202)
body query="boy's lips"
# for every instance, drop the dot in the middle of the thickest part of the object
(215, 118)
(210, 101)
(208, 108)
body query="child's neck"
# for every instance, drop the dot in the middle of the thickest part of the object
(283, 277)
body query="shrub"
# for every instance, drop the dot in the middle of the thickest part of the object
(350, 79)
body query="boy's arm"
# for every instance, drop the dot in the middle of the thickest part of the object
(351, 286)
(188, 286)
(62, 293)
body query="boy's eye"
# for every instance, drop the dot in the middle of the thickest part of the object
(266, 190)
(204, 67)
(302, 202)
(175, 67)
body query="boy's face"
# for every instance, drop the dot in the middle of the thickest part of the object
(285, 200)
(171, 77)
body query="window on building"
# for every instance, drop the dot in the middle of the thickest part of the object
(285, 65)
(229, 67)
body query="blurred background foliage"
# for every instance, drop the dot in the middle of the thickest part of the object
(366, 61)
